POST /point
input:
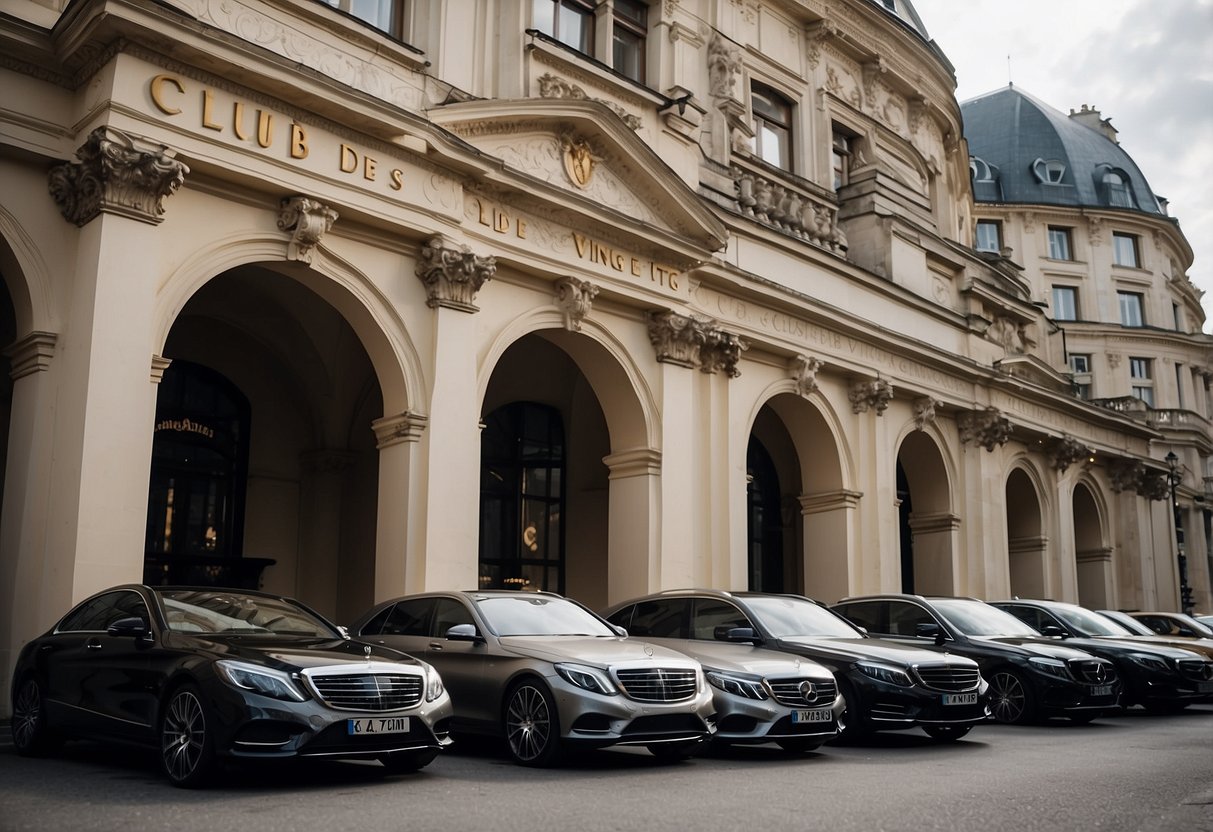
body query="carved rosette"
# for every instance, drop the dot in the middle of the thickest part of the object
(870, 395)
(452, 274)
(117, 174)
(575, 299)
(306, 220)
(803, 371)
(1065, 451)
(689, 341)
(986, 428)
(924, 411)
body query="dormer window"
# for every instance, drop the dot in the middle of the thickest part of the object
(1116, 187)
(1049, 171)
(979, 170)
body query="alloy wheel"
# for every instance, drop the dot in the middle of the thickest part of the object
(529, 725)
(28, 717)
(1008, 698)
(183, 741)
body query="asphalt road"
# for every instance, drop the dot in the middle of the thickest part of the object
(1124, 773)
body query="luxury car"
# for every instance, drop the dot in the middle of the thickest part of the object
(1175, 624)
(1030, 678)
(547, 674)
(887, 686)
(208, 674)
(760, 695)
(1156, 676)
(1139, 632)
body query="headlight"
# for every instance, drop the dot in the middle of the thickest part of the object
(262, 680)
(1150, 662)
(588, 678)
(749, 687)
(892, 675)
(1053, 667)
(433, 684)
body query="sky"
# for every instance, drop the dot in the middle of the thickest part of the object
(1145, 64)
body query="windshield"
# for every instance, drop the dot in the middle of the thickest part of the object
(512, 615)
(224, 612)
(973, 618)
(1127, 621)
(1086, 623)
(785, 617)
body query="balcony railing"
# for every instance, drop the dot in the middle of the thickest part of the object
(789, 205)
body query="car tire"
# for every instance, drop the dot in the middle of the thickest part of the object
(800, 745)
(187, 743)
(406, 762)
(32, 737)
(1011, 700)
(532, 725)
(854, 724)
(946, 733)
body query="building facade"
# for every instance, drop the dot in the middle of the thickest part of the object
(348, 300)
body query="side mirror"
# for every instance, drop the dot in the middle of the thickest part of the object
(133, 627)
(739, 635)
(463, 632)
(344, 630)
(619, 631)
(930, 630)
(1053, 631)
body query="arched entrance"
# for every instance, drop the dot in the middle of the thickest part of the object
(928, 526)
(1093, 556)
(1026, 543)
(266, 422)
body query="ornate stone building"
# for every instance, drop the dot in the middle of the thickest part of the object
(356, 299)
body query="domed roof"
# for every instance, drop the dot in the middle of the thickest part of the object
(904, 10)
(1024, 151)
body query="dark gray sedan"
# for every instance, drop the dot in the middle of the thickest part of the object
(546, 673)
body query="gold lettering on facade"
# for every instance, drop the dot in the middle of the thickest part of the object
(298, 142)
(265, 128)
(368, 168)
(618, 261)
(208, 103)
(238, 121)
(396, 181)
(156, 88)
(349, 159)
(498, 220)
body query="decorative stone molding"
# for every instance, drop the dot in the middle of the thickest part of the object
(159, 365)
(1014, 337)
(575, 299)
(1065, 451)
(801, 214)
(1114, 359)
(452, 274)
(32, 354)
(551, 86)
(924, 411)
(816, 34)
(689, 341)
(1095, 230)
(1125, 474)
(870, 395)
(943, 521)
(637, 462)
(306, 220)
(803, 371)
(579, 160)
(117, 174)
(829, 501)
(1154, 485)
(986, 428)
(724, 62)
(403, 427)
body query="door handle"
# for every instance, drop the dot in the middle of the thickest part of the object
(435, 645)
(93, 644)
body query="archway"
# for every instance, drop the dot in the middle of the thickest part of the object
(1092, 554)
(1026, 543)
(928, 526)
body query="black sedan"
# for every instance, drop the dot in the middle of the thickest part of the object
(208, 674)
(1030, 677)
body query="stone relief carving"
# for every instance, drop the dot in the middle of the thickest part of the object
(724, 62)
(986, 428)
(1095, 230)
(119, 174)
(924, 411)
(1010, 335)
(803, 371)
(1154, 485)
(551, 86)
(1124, 474)
(843, 90)
(870, 395)
(692, 341)
(815, 35)
(306, 220)
(1114, 360)
(452, 274)
(579, 160)
(1065, 451)
(575, 299)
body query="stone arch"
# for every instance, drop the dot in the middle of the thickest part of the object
(27, 277)
(1026, 524)
(1092, 551)
(929, 524)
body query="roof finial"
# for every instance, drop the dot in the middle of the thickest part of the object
(1010, 80)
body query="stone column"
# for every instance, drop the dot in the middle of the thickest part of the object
(397, 442)
(830, 528)
(935, 538)
(634, 536)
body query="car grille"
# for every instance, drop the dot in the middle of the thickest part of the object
(1093, 671)
(942, 677)
(1195, 669)
(657, 684)
(799, 693)
(369, 691)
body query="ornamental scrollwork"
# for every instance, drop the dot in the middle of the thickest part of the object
(452, 274)
(575, 299)
(924, 411)
(306, 220)
(803, 371)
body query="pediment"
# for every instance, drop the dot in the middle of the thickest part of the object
(577, 157)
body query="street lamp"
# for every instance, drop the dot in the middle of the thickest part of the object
(1174, 477)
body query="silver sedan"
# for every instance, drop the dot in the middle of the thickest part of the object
(547, 674)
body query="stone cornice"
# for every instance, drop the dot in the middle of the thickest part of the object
(638, 462)
(403, 427)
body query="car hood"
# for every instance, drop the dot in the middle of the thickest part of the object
(1034, 646)
(870, 649)
(301, 653)
(744, 658)
(598, 651)
(1109, 646)
(1203, 646)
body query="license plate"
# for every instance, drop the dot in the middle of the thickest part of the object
(1101, 690)
(377, 725)
(1204, 687)
(960, 698)
(825, 715)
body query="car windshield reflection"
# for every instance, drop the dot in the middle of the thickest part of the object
(539, 616)
(784, 617)
(235, 613)
(973, 618)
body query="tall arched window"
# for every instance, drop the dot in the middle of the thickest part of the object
(522, 462)
(766, 564)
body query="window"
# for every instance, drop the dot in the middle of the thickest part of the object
(1117, 192)
(1065, 303)
(989, 236)
(1179, 384)
(666, 618)
(1131, 309)
(1080, 363)
(840, 156)
(627, 50)
(1178, 314)
(980, 170)
(1124, 250)
(569, 21)
(1080, 366)
(1141, 380)
(713, 619)
(385, 15)
(772, 127)
(1050, 172)
(1059, 243)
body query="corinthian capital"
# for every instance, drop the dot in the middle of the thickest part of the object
(870, 395)
(1065, 451)
(452, 274)
(307, 220)
(985, 427)
(689, 341)
(117, 174)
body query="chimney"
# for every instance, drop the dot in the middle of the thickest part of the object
(1090, 117)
